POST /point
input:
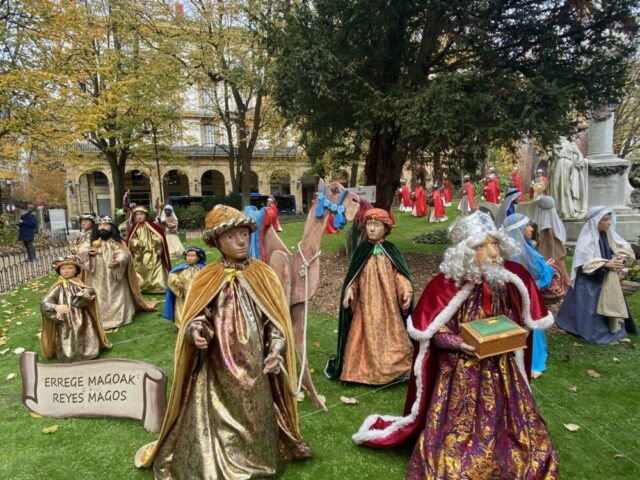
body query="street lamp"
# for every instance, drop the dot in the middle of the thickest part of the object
(154, 132)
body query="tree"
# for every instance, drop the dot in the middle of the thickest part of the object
(222, 52)
(627, 116)
(92, 80)
(438, 76)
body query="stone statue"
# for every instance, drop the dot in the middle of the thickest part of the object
(568, 180)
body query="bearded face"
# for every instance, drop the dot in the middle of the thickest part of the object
(105, 231)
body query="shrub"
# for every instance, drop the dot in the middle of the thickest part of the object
(437, 237)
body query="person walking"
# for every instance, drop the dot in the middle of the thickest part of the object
(28, 226)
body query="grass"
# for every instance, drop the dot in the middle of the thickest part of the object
(606, 408)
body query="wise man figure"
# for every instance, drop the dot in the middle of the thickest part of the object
(109, 270)
(473, 418)
(232, 412)
(71, 328)
(87, 225)
(538, 188)
(373, 345)
(150, 252)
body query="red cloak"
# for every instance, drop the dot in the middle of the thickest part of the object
(405, 195)
(166, 260)
(448, 193)
(421, 202)
(470, 194)
(438, 205)
(440, 300)
(517, 183)
(492, 193)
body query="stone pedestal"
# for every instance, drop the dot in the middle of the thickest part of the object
(608, 182)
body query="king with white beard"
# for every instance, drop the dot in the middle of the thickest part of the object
(473, 418)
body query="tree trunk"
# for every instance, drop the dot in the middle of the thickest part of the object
(245, 159)
(117, 174)
(384, 167)
(353, 177)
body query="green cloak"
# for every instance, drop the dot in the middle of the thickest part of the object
(359, 258)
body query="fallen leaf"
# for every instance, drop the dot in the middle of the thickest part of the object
(3, 342)
(576, 344)
(316, 344)
(616, 360)
(322, 398)
(11, 376)
(349, 400)
(618, 455)
(4, 351)
(335, 331)
(300, 396)
(18, 350)
(51, 429)
(573, 389)
(18, 323)
(626, 339)
(35, 415)
(593, 374)
(311, 370)
(572, 427)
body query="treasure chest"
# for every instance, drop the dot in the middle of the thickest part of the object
(494, 336)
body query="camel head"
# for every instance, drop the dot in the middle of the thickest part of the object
(333, 197)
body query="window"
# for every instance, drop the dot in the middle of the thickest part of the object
(100, 179)
(208, 135)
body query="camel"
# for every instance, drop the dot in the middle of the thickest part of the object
(304, 265)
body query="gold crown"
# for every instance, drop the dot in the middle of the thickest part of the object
(67, 260)
(141, 209)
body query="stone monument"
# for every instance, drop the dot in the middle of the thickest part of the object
(608, 182)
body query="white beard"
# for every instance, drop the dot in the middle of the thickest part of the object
(494, 272)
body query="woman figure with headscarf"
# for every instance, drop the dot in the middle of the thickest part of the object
(519, 228)
(551, 236)
(595, 308)
(508, 206)
(169, 221)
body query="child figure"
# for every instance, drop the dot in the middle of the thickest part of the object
(179, 281)
(71, 328)
(373, 344)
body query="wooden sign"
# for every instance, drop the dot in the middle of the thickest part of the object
(99, 388)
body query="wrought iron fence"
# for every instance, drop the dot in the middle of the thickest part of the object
(15, 269)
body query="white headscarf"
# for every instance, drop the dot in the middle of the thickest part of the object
(588, 246)
(546, 216)
(163, 216)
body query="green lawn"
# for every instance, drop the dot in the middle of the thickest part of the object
(607, 408)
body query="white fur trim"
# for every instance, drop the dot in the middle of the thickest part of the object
(538, 324)
(442, 318)
(364, 434)
(519, 358)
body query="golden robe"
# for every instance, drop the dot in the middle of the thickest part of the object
(75, 336)
(147, 247)
(179, 283)
(226, 419)
(378, 348)
(83, 242)
(117, 290)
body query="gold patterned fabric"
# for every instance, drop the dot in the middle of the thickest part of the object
(179, 283)
(378, 348)
(83, 242)
(146, 249)
(253, 313)
(482, 422)
(117, 291)
(75, 336)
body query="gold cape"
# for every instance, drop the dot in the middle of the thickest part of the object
(265, 289)
(48, 335)
(132, 278)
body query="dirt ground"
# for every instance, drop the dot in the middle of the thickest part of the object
(333, 268)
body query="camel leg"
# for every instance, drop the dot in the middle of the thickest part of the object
(297, 318)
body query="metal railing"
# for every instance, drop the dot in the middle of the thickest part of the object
(15, 269)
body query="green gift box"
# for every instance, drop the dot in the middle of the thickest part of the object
(494, 336)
